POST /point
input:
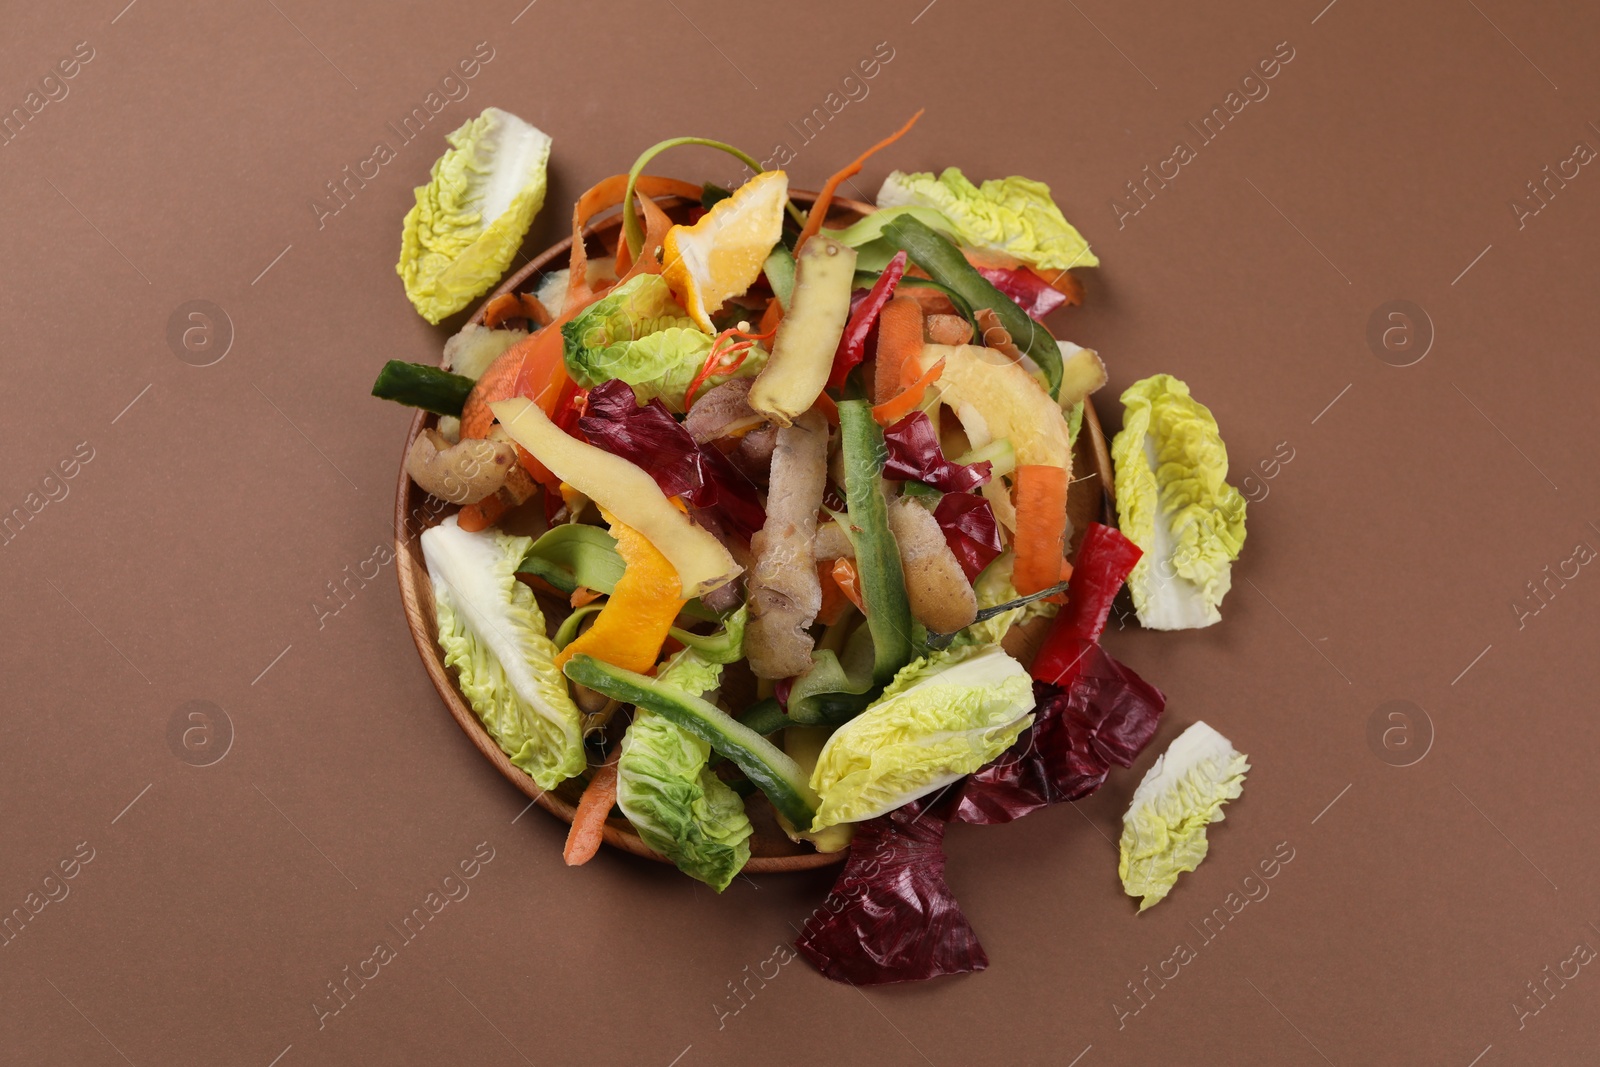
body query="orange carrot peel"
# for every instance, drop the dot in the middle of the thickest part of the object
(848, 581)
(1066, 573)
(819, 208)
(589, 821)
(509, 306)
(899, 339)
(834, 600)
(1041, 526)
(479, 516)
(893, 410)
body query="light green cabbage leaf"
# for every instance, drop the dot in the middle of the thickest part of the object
(1164, 830)
(1174, 502)
(942, 717)
(692, 671)
(665, 788)
(684, 353)
(471, 217)
(869, 229)
(639, 334)
(1011, 215)
(492, 632)
(597, 338)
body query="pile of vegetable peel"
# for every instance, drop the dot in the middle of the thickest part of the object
(801, 493)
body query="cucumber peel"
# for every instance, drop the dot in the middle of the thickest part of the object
(839, 686)
(418, 385)
(772, 770)
(883, 585)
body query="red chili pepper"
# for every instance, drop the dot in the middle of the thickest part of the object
(1105, 558)
(853, 342)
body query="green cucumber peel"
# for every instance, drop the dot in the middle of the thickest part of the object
(418, 385)
(780, 269)
(772, 770)
(883, 585)
(724, 646)
(765, 716)
(999, 454)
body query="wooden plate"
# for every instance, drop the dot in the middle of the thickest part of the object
(771, 851)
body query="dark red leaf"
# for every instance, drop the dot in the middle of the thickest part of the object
(1090, 710)
(1031, 292)
(914, 454)
(863, 316)
(970, 530)
(890, 916)
(1105, 558)
(1106, 715)
(651, 438)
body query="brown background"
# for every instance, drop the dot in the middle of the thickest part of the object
(192, 548)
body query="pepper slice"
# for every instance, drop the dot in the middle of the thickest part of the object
(853, 345)
(631, 628)
(1105, 559)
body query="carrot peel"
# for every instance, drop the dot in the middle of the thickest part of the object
(589, 821)
(819, 208)
(848, 581)
(834, 600)
(899, 338)
(893, 410)
(475, 517)
(1041, 527)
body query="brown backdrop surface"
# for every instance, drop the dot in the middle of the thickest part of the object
(186, 558)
